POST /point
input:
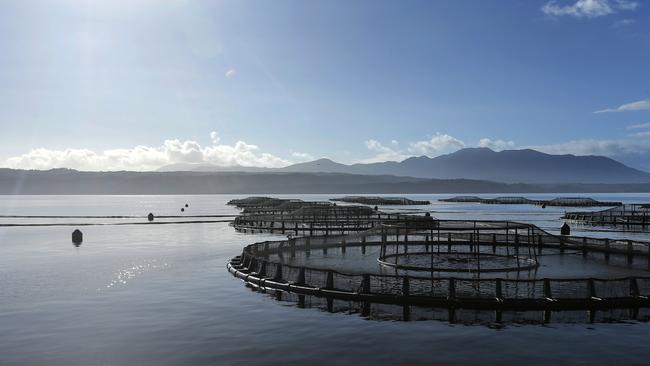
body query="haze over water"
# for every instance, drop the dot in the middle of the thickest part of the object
(160, 295)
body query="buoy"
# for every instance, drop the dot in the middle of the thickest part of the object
(150, 216)
(186, 205)
(565, 229)
(376, 208)
(77, 237)
(428, 214)
(182, 210)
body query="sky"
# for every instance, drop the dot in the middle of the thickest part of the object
(140, 84)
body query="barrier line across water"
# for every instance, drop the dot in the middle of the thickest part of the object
(115, 223)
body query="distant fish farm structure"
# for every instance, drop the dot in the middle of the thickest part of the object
(301, 218)
(381, 201)
(627, 216)
(514, 200)
(418, 267)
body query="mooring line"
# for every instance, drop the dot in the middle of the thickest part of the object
(116, 223)
(106, 217)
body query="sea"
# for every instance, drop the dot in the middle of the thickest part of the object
(135, 293)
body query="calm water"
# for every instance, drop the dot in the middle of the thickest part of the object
(160, 295)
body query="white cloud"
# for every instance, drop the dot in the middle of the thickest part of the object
(438, 144)
(598, 147)
(588, 8)
(383, 153)
(496, 144)
(641, 105)
(214, 137)
(626, 4)
(231, 73)
(638, 126)
(301, 156)
(143, 158)
(623, 23)
(633, 151)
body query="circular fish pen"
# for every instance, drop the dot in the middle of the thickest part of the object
(458, 247)
(629, 217)
(471, 262)
(417, 267)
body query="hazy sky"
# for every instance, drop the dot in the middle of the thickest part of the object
(137, 84)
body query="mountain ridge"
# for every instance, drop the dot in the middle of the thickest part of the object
(509, 166)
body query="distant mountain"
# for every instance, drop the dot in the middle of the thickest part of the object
(510, 166)
(319, 166)
(66, 181)
(480, 164)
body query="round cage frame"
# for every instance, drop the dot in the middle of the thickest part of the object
(260, 266)
(326, 228)
(457, 247)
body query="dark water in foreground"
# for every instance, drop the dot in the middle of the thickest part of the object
(160, 295)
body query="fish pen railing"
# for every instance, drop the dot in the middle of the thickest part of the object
(325, 222)
(472, 293)
(481, 231)
(376, 200)
(262, 264)
(310, 218)
(506, 234)
(631, 215)
(516, 200)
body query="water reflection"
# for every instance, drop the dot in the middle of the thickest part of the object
(456, 315)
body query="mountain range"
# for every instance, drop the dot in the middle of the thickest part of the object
(475, 170)
(508, 166)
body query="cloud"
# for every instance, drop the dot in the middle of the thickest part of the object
(623, 23)
(383, 153)
(496, 144)
(436, 145)
(638, 126)
(641, 105)
(231, 73)
(214, 137)
(588, 8)
(626, 4)
(143, 158)
(301, 156)
(633, 151)
(610, 148)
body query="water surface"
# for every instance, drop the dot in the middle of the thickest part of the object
(160, 295)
